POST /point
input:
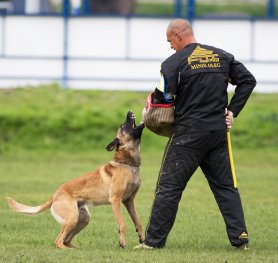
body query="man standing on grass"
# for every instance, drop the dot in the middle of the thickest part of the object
(196, 79)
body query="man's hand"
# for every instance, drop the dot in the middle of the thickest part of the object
(229, 119)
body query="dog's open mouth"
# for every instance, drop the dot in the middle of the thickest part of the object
(132, 118)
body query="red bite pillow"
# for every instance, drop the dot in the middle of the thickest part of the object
(159, 118)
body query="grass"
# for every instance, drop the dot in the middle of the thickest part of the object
(225, 8)
(49, 136)
(242, 9)
(198, 234)
(203, 8)
(50, 118)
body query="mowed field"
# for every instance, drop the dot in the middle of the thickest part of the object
(31, 174)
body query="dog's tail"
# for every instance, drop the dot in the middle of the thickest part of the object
(29, 210)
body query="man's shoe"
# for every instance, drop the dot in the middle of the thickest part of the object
(143, 247)
(243, 247)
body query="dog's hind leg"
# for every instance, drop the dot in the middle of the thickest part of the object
(83, 221)
(65, 211)
(116, 207)
(130, 206)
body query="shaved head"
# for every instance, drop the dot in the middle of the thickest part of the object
(179, 34)
(180, 25)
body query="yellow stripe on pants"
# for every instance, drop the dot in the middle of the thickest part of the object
(231, 158)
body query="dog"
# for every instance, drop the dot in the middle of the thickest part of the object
(113, 183)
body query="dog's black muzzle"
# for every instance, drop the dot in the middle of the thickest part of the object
(130, 126)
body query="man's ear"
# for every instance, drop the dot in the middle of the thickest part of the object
(112, 145)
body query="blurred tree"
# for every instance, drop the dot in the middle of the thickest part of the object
(123, 7)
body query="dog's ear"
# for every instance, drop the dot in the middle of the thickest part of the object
(112, 145)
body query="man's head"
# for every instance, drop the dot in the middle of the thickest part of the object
(179, 34)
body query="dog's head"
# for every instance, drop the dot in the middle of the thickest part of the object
(128, 134)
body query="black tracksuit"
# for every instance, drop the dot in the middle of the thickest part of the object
(196, 79)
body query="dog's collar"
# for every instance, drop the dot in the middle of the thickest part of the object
(128, 164)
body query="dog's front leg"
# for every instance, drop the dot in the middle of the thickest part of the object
(116, 207)
(130, 206)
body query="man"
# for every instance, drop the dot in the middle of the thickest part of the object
(196, 78)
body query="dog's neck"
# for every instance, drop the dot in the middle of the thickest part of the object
(128, 157)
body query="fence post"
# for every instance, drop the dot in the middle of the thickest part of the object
(271, 8)
(66, 10)
(190, 10)
(86, 7)
(178, 8)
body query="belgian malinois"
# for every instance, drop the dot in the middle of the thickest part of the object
(113, 183)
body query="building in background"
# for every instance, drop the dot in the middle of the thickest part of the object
(31, 7)
(6, 7)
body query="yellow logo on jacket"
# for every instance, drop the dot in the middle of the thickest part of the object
(203, 58)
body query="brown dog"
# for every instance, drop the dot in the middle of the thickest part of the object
(113, 183)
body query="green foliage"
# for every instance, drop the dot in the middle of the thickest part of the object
(48, 118)
(203, 8)
(155, 9)
(257, 125)
(244, 9)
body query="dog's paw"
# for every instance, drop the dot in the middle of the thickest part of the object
(141, 239)
(122, 243)
(70, 245)
(62, 246)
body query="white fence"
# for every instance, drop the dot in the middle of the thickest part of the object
(121, 53)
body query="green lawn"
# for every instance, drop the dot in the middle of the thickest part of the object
(198, 234)
(49, 136)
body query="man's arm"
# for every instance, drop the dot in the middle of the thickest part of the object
(245, 83)
(169, 78)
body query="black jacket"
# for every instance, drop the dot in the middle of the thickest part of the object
(196, 78)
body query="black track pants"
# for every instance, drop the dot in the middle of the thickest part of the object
(185, 152)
